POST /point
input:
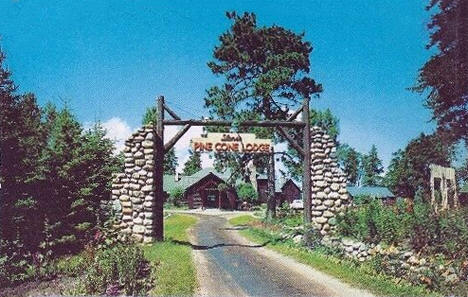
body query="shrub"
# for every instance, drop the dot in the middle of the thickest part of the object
(247, 192)
(424, 225)
(176, 196)
(445, 233)
(355, 223)
(120, 269)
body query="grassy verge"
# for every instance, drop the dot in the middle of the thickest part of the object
(242, 220)
(175, 273)
(359, 275)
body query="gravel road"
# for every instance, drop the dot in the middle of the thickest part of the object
(229, 265)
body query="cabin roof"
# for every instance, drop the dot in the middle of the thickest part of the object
(376, 192)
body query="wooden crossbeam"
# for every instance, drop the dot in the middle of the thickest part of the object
(293, 142)
(171, 112)
(295, 114)
(176, 137)
(249, 123)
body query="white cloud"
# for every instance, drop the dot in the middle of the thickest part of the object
(118, 130)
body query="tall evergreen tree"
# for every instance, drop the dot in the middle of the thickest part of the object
(170, 159)
(193, 164)
(266, 69)
(60, 158)
(350, 161)
(21, 140)
(372, 168)
(444, 78)
(92, 167)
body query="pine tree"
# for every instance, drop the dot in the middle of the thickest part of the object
(21, 141)
(372, 168)
(444, 78)
(60, 158)
(193, 164)
(350, 161)
(265, 70)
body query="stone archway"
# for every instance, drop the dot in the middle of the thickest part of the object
(133, 190)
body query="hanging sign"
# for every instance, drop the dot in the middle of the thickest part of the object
(231, 142)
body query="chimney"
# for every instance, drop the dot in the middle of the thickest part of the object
(176, 176)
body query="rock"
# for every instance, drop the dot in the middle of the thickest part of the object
(138, 155)
(149, 136)
(334, 195)
(329, 202)
(148, 204)
(320, 183)
(126, 204)
(328, 214)
(316, 202)
(147, 239)
(297, 239)
(138, 229)
(147, 188)
(148, 215)
(138, 221)
(149, 151)
(320, 207)
(347, 241)
(147, 144)
(335, 187)
(140, 162)
(321, 220)
(321, 195)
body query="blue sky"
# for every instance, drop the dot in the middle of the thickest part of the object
(110, 59)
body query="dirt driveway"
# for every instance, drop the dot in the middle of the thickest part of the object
(229, 265)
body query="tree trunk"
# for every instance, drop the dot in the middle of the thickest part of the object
(271, 199)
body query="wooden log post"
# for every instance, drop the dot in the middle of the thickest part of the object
(271, 191)
(158, 220)
(306, 182)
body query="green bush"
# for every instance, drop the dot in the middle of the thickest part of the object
(120, 269)
(372, 221)
(247, 192)
(176, 196)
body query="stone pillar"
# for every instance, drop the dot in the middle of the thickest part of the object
(133, 189)
(328, 182)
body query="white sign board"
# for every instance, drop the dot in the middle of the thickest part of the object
(231, 142)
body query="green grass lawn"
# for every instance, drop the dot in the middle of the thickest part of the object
(359, 275)
(175, 273)
(242, 220)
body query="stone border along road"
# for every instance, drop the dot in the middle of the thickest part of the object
(229, 265)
